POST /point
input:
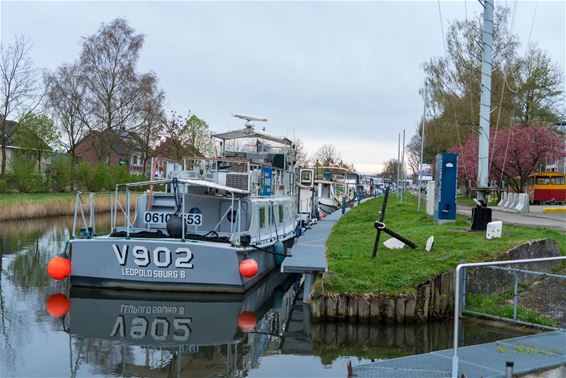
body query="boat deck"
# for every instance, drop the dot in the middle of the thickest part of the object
(528, 353)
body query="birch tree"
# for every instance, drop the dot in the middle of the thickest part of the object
(19, 90)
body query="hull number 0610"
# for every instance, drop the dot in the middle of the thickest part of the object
(160, 218)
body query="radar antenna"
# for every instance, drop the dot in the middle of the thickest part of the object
(249, 119)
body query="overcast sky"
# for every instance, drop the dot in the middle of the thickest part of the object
(345, 73)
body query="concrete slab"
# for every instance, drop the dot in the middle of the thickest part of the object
(555, 221)
(528, 353)
(309, 251)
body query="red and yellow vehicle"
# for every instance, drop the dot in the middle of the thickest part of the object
(546, 187)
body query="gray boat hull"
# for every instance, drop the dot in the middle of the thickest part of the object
(327, 209)
(164, 264)
(167, 319)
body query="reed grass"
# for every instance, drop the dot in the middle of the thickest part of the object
(21, 207)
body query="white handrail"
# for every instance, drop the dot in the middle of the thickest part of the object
(457, 295)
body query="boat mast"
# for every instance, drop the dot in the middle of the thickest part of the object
(485, 100)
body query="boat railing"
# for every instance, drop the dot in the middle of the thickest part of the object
(235, 227)
(90, 226)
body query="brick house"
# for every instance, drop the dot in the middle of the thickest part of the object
(112, 147)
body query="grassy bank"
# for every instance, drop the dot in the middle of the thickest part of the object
(350, 246)
(26, 206)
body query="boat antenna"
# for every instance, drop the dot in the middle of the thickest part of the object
(249, 119)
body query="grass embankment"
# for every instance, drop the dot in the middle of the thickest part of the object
(499, 305)
(392, 272)
(467, 201)
(25, 206)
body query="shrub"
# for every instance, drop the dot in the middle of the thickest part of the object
(24, 177)
(100, 180)
(58, 173)
(81, 176)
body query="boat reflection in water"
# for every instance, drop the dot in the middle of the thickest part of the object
(168, 334)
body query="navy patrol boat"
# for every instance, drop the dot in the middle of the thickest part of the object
(219, 226)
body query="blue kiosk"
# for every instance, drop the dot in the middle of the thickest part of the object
(446, 177)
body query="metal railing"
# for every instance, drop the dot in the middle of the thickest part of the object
(90, 226)
(460, 295)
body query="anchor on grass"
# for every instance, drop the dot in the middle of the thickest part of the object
(380, 226)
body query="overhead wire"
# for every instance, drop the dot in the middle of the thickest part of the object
(450, 89)
(532, 23)
(510, 135)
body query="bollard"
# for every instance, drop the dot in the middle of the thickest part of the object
(509, 369)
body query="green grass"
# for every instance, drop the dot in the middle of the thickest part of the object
(35, 198)
(463, 200)
(350, 245)
(498, 305)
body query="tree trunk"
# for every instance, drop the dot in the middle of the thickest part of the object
(39, 163)
(3, 172)
(145, 165)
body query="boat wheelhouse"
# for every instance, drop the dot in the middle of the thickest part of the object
(219, 225)
(307, 198)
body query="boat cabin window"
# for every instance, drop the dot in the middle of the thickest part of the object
(262, 217)
(306, 177)
(281, 213)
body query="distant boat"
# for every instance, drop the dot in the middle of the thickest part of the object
(307, 198)
(327, 197)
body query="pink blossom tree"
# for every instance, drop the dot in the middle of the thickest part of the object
(515, 153)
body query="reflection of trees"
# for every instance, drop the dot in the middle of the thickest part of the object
(27, 268)
(34, 243)
(103, 354)
(376, 341)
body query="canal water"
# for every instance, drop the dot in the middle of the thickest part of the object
(50, 330)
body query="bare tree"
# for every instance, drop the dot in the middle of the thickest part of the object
(65, 98)
(19, 92)
(108, 64)
(174, 137)
(327, 155)
(300, 153)
(390, 169)
(151, 117)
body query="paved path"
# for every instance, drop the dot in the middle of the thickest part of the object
(556, 221)
(528, 353)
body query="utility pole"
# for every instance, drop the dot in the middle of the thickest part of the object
(485, 101)
(481, 214)
(398, 161)
(419, 179)
(403, 168)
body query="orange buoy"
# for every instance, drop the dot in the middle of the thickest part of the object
(59, 268)
(57, 305)
(248, 268)
(247, 321)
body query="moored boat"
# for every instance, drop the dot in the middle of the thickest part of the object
(219, 226)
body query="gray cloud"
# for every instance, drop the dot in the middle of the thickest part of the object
(341, 72)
